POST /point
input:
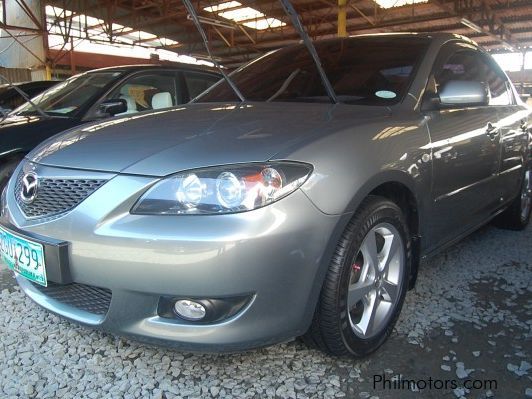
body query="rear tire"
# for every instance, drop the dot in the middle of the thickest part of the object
(366, 282)
(517, 215)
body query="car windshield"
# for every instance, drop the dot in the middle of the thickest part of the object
(369, 71)
(67, 98)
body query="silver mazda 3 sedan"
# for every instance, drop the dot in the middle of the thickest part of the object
(224, 225)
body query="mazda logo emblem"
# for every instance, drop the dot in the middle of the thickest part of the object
(28, 192)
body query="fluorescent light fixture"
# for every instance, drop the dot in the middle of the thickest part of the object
(234, 11)
(471, 25)
(398, 3)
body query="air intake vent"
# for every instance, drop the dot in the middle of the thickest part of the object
(55, 196)
(91, 299)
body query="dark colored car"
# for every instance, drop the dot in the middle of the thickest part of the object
(10, 98)
(95, 95)
(223, 225)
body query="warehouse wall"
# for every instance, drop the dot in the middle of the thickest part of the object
(16, 74)
(12, 54)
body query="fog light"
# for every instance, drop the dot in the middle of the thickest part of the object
(189, 310)
(201, 310)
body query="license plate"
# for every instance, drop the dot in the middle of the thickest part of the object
(23, 256)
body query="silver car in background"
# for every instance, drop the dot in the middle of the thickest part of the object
(224, 225)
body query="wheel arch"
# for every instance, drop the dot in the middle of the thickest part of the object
(405, 198)
(400, 188)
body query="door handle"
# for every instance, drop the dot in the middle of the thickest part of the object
(492, 131)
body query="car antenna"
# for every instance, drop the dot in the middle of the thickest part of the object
(24, 96)
(292, 13)
(196, 21)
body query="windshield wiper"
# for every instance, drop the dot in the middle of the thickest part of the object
(291, 12)
(285, 85)
(24, 96)
(196, 21)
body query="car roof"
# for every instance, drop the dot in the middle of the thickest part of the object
(430, 35)
(440, 37)
(148, 67)
(434, 37)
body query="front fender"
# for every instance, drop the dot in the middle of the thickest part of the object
(390, 176)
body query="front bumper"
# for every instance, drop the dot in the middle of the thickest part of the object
(276, 255)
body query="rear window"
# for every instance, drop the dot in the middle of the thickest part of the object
(372, 71)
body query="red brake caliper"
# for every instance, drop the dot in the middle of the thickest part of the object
(357, 266)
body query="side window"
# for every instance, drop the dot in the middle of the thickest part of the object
(462, 65)
(198, 82)
(147, 92)
(467, 65)
(497, 82)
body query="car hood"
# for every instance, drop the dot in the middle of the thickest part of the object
(37, 122)
(25, 132)
(163, 142)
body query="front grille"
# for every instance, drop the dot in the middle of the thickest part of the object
(85, 297)
(56, 196)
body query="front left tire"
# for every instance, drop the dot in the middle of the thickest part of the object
(366, 282)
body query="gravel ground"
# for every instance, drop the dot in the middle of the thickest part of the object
(470, 317)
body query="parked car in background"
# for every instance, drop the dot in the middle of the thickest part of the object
(95, 95)
(228, 224)
(10, 98)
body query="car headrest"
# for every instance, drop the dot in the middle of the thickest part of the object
(124, 90)
(131, 104)
(161, 100)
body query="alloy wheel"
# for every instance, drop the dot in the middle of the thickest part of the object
(376, 280)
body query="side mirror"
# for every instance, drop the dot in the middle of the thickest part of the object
(464, 93)
(113, 107)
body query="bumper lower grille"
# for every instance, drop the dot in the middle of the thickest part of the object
(55, 196)
(84, 297)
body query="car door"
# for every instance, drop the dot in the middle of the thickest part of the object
(513, 128)
(464, 149)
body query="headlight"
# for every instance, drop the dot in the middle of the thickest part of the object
(226, 189)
